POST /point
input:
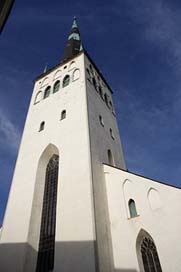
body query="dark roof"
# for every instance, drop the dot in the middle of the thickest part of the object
(74, 43)
(5, 8)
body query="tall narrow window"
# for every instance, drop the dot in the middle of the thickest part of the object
(94, 83)
(132, 208)
(47, 92)
(106, 99)
(66, 81)
(56, 86)
(101, 120)
(42, 126)
(100, 91)
(45, 260)
(111, 133)
(110, 157)
(63, 114)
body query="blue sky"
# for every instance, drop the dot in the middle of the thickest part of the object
(137, 46)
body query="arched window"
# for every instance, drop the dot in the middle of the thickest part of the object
(45, 260)
(66, 81)
(42, 126)
(63, 114)
(100, 91)
(106, 99)
(101, 120)
(91, 69)
(56, 86)
(47, 92)
(111, 133)
(110, 104)
(94, 83)
(110, 157)
(132, 208)
(147, 253)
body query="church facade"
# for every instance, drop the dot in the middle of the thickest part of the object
(73, 205)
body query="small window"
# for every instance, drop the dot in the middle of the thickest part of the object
(66, 81)
(88, 71)
(100, 91)
(111, 133)
(106, 99)
(101, 120)
(132, 208)
(63, 114)
(47, 92)
(91, 69)
(94, 83)
(110, 104)
(56, 86)
(42, 126)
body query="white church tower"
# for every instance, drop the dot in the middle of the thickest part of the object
(57, 215)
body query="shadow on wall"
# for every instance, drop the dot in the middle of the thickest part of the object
(70, 257)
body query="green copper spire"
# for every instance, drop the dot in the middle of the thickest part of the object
(74, 44)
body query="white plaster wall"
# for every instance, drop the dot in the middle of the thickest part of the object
(100, 142)
(75, 219)
(162, 222)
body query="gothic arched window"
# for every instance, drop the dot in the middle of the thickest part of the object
(56, 86)
(147, 253)
(63, 114)
(42, 126)
(66, 81)
(47, 92)
(45, 260)
(132, 208)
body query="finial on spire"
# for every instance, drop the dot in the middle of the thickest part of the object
(74, 44)
(46, 68)
(74, 22)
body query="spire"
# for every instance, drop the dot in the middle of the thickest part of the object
(74, 43)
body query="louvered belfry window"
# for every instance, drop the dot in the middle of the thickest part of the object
(150, 257)
(45, 261)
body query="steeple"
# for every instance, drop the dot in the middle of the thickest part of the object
(74, 44)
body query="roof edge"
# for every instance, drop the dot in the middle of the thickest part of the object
(142, 176)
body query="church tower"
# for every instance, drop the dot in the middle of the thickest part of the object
(57, 216)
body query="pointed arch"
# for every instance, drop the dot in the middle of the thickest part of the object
(147, 254)
(57, 74)
(37, 206)
(56, 86)
(72, 65)
(76, 74)
(47, 92)
(38, 97)
(132, 208)
(46, 252)
(66, 81)
(44, 82)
